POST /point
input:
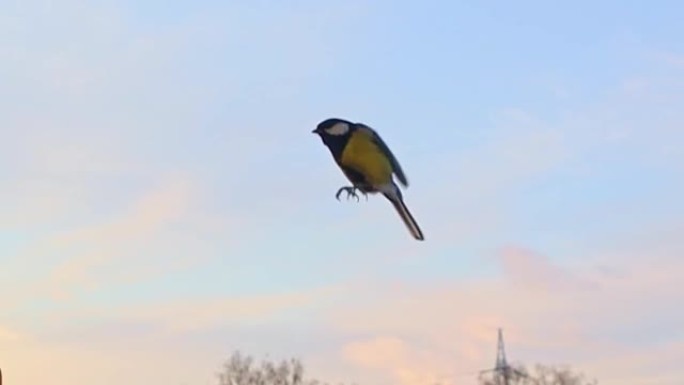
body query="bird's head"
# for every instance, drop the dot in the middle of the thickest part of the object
(333, 127)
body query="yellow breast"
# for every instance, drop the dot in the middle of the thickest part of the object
(364, 156)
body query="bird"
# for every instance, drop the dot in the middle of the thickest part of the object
(368, 163)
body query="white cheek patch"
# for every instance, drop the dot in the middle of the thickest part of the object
(338, 129)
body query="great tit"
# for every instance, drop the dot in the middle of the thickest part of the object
(368, 163)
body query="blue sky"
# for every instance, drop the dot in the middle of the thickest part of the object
(162, 188)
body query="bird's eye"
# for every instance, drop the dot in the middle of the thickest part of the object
(338, 129)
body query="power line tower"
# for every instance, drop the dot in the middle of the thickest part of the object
(502, 371)
(501, 368)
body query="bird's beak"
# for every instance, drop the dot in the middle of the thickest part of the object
(315, 131)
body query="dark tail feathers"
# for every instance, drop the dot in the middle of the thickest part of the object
(405, 215)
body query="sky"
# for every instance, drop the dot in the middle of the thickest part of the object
(164, 202)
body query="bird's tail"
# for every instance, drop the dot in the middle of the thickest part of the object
(397, 201)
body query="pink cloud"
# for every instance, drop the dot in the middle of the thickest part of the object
(656, 365)
(207, 313)
(102, 253)
(119, 238)
(378, 352)
(549, 314)
(7, 334)
(529, 269)
(35, 362)
(151, 343)
(405, 363)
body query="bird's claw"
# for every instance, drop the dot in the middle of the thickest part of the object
(351, 192)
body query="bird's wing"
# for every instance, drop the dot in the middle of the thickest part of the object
(396, 167)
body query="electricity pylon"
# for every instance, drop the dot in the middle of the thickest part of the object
(502, 371)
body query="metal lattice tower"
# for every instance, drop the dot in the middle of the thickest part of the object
(502, 371)
(501, 367)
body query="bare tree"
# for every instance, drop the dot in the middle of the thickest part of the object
(241, 369)
(541, 375)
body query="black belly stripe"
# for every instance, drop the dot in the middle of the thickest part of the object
(354, 176)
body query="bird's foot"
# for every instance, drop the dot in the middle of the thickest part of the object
(351, 192)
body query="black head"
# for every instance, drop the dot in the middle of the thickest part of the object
(334, 127)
